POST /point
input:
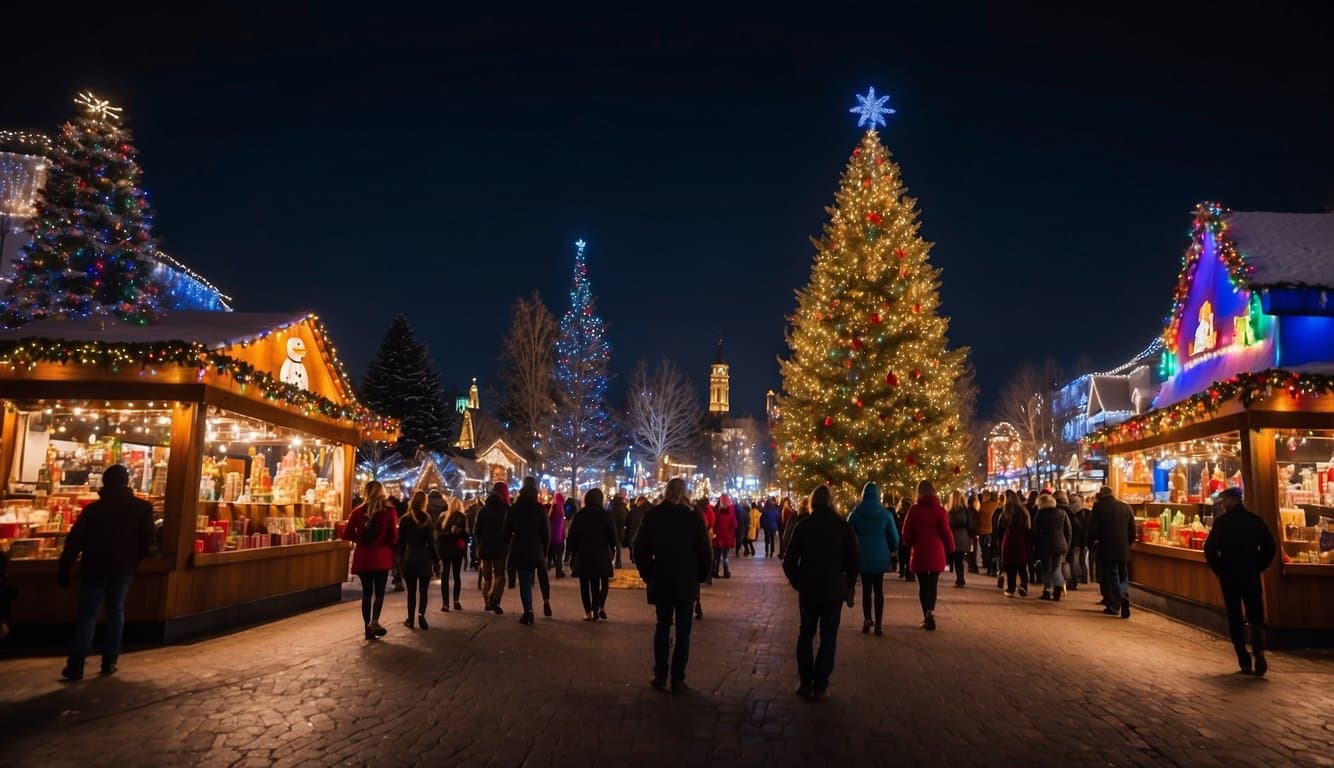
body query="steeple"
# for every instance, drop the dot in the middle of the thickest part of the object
(719, 386)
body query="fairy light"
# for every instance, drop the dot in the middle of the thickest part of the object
(98, 108)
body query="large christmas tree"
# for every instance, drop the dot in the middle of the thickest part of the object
(869, 383)
(582, 437)
(92, 245)
(402, 382)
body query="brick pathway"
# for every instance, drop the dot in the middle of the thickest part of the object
(1002, 682)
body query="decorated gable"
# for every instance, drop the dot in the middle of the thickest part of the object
(299, 354)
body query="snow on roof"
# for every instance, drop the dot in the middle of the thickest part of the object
(1285, 248)
(1112, 395)
(212, 329)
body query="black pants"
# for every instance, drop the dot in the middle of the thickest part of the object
(768, 543)
(456, 565)
(750, 547)
(417, 587)
(1011, 571)
(873, 596)
(556, 557)
(823, 617)
(956, 563)
(372, 586)
(680, 614)
(593, 591)
(928, 585)
(1250, 596)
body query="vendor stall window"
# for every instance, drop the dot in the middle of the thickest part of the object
(60, 451)
(1172, 488)
(1306, 495)
(264, 485)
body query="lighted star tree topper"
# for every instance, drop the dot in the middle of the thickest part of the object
(868, 383)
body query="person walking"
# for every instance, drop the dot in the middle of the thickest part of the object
(961, 526)
(1111, 530)
(417, 556)
(877, 536)
(1238, 549)
(753, 528)
(635, 522)
(373, 528)
(1017, 527)
(1053, 532)
(528, 533)
(451, 544)
(492, 546)
(1077, 558)
(109, 539)
(900, 519)
(591, 540)
(927, 532)
(620, 520)
(786, 514)
(986, 530)
(724, 537)
(769, 520)
(803, 510)
(673, 556)
(556, 517)
(822, 564)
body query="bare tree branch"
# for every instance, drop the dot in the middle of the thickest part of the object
(663, 415)
(1026, 402)
(527, 361)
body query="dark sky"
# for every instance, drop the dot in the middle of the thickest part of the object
(440, 166)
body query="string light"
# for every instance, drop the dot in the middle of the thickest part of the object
(100, 109)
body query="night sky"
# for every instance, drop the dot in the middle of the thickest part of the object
(442, 166)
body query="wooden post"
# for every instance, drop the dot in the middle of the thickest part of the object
(183, 468)
(1259, 466)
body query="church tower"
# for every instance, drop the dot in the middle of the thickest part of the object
(719, 387)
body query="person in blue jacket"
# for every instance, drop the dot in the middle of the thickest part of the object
(878, 536)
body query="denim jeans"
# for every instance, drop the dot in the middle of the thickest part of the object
(824, 617)
(526, 589)
(722, 559)
(681, 614)
(1079, 568)
(1115, 580)
(93, 595)
(1053, 577)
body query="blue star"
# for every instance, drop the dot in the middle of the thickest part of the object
(580, 244)
(872, 109)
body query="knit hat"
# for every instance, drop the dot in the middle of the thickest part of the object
(1234, 493)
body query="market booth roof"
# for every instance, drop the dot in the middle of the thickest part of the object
(285, 360)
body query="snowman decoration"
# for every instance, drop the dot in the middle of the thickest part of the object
(294, 370)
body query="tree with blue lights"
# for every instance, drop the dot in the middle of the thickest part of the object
(870, 383)
(92, 245)
(582, 438)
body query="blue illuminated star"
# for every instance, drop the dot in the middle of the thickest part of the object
(580, 244)
(872, 109)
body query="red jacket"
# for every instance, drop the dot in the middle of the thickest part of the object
(378, 555)
(724, 528)
(926, 532)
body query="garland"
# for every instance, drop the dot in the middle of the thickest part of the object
(147, 357)
(1209, 218)
(1247, 387)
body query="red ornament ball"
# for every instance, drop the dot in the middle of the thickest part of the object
(874, 217)
(875, 318)
(856, 343)
(917, 309)
(917, 373)
(900, 253)
(912, 461)
(866, 183)
(856, 151)
(891, 380)
(829, 421)
(880, 161)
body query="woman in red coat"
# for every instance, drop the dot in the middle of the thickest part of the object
(724, 537)
(926, 532)
(373, 527)
(1014, 546)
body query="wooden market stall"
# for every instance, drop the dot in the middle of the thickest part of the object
(1248, 402)
(240, 428)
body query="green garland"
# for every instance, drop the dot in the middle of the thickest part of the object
(1249, 388)
(116, 357)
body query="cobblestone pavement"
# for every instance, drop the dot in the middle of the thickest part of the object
(1002, 682)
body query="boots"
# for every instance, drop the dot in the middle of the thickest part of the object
(1056, 594)
(1046, 594)
(1125, 607)
(1258, 645)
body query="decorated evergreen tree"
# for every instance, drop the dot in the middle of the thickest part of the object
(402, 382)
(582, 437)
(869, 383)
(92, 246)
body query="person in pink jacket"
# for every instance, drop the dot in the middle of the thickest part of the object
(373, 527)
(556, 552)
(927, 534)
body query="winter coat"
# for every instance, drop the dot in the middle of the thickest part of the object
(1018, 537)
(753, 530)
(113, 534)
(961, 525)
(769, 518)
(436, 506)
(620, 518)
(489, 530)
(821, 560)
(590, 542)
(528, 532)
(926, 531)
(1111, 529)
(1079, 527)
(791, 526)
(877, 534)
(1052, 530)
(377, 555)
(672, 554)
(787, 515)
(1239, 547)
(724, 528)
(416, 546)
(556, 516)
(635, 521)
(709, 517)
(986, 519)
(451, 540)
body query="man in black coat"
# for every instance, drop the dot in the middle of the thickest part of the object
(821, 563)
(673, 555)
(1240, 546)
(1111, 530)
(491, 545)
(528, 532)
(112, 534)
